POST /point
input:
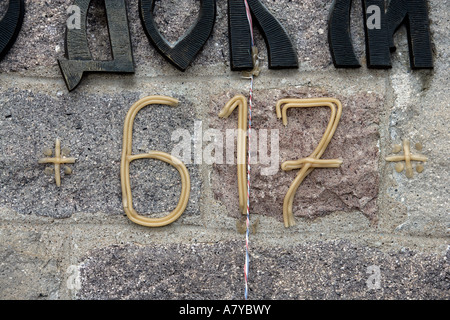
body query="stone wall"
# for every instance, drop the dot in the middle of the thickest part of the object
(75, 242)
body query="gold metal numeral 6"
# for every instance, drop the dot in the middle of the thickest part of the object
(307, 165)
(127, 158)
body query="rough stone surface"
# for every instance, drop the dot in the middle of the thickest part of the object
(91, 126)
(352, 187)
(26, 270)
(337, 270)
(40, 44)
(75, 243)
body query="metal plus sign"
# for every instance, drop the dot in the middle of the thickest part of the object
(57, 161)
(407, 157)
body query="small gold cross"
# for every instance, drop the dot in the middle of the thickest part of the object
(57, 160)
(407, 157)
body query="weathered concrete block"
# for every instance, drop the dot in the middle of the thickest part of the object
(337, 270)
(195, 258)
(41, 41)
(28, 271)
(352, 187)
(91, 126)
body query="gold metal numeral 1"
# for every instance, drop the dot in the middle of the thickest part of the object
(127, 158)
(241, 102)
(307, 165)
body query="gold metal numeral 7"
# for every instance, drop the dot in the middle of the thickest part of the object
(307, 165)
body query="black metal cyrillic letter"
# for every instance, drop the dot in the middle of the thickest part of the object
(414, 14)
(339, 38)
(379, 39)
(185, 49)
(280, 48)
(10, 25)
(77, 50)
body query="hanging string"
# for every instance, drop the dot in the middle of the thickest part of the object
(250, 22)
(250, 105)
(246, 269)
